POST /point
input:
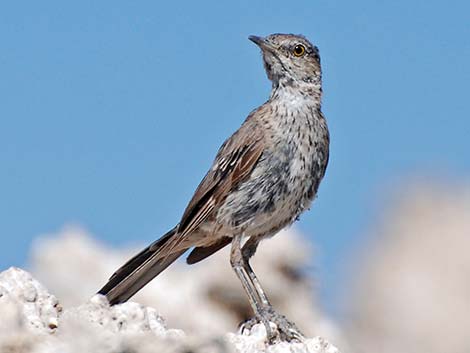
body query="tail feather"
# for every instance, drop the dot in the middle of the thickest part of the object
(200, 253)
(139, 270)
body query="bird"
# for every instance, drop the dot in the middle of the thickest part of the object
(262, 178)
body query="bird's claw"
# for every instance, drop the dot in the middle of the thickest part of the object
(285, 330)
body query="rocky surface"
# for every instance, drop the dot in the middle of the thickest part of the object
(34, 321)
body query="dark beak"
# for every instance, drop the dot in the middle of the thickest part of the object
(262, 43)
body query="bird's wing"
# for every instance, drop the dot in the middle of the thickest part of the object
(233, 164)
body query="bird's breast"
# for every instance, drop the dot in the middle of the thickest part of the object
(301, 150)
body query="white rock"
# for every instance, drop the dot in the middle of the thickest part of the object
(26, 303)
(33, 321)
(254, 341)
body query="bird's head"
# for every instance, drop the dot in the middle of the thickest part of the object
(290, 59)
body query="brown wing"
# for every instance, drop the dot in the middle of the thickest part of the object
(234, 162)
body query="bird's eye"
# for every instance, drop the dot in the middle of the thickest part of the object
(299, 50)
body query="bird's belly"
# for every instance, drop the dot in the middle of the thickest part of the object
(275, 195)
(289, 206)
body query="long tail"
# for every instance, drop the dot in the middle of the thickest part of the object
(139, 270)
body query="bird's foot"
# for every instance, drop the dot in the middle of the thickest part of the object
(285, 330)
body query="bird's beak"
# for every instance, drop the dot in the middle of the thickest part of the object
(262, 43)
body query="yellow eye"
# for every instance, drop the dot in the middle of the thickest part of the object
(299, 50)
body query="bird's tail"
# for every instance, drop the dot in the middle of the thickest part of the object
(140, 270)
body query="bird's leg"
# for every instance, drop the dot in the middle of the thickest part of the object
(287, 330)
(248, 251)
(239, 266)
(264, 311)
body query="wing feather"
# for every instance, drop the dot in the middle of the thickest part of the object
(234, 163)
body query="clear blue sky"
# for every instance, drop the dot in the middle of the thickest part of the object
(112, 111)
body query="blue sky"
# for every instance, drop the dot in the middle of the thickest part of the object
(111, 112)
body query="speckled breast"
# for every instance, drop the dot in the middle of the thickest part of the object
(283, 183)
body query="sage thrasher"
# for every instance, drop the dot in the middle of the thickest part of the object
(263, 177)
